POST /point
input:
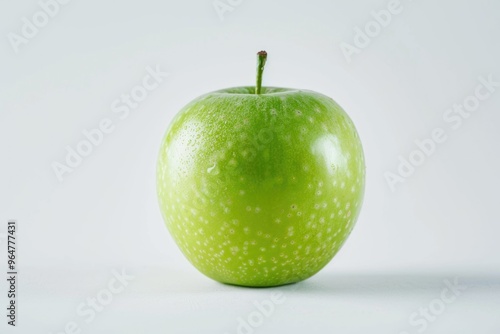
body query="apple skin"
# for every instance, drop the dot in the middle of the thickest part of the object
(260, 190)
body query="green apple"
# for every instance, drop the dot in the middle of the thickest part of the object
(260, 186)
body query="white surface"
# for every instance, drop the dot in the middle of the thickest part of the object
(443, 217)
(167, 299)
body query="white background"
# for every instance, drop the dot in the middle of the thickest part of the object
(441, 223)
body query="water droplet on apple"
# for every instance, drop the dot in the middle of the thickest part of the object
(213, 169)
(209, 169)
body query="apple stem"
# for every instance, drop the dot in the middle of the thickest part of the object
(261, 62)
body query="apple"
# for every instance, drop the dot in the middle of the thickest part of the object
(260, 186)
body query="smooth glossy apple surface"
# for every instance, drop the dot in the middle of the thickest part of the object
(260, 190)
